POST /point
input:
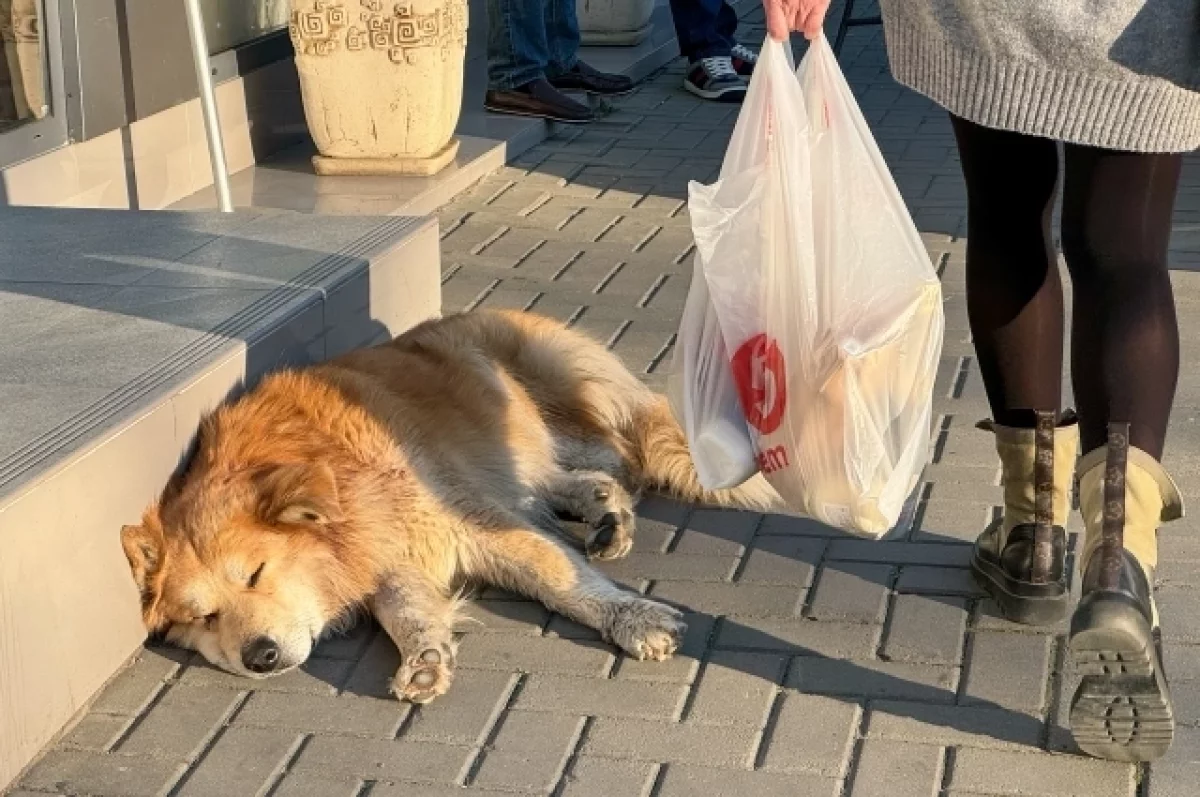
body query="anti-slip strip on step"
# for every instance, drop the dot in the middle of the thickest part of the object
(245, 327)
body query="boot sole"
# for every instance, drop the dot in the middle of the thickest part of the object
(1122, 709)
(1046, 609)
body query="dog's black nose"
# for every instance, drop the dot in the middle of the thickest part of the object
(261, 655)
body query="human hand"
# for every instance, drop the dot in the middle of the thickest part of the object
(785, 16)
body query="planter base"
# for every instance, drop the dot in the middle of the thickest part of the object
(615, 38)
(386, 167)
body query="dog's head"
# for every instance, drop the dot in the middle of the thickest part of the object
(242, 565)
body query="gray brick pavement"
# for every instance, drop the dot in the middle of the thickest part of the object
(814, 664)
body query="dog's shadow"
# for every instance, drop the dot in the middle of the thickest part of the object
(504, 634)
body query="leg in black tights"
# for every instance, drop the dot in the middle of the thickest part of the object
(1014, 294)
(1115, 228)
(1116, 225)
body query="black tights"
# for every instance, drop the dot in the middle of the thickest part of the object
(1116, 223)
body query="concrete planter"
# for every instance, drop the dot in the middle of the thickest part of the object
(614, 22)
(20, 31)
(382, 83)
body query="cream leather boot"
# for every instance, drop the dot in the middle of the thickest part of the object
(1021, 559)
(1122, 708)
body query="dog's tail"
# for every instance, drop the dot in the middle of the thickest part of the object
(663, 461)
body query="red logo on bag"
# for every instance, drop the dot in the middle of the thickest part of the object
(761, 379)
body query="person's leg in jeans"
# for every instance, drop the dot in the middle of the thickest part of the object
(565, 70)
(518, 50)
(519, 56)
(1116, 228)
(705, 30)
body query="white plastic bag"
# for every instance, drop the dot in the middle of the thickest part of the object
(825, 296)
(704, 397)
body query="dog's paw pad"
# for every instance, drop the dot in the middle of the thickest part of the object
(648, 630)
(611, 536)
(425, 676)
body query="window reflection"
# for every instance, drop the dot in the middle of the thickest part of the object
(23, 95)
(229, 23)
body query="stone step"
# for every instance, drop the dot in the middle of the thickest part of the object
(119, 330)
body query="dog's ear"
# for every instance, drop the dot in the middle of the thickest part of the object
(294, 495)
(146, 551)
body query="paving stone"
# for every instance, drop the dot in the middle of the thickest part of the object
(931, 683)
(736, 689)
(603, 777)
(655, 566)
(97, 732)
(782, 560)
(181, 723)
(483, 616)
(1008, 670)
(937, 581)
(349, 645)
(465, 714)
(315, 677)
(811, 734)
(851, 592)
(687, 781)
(718, 532)
(926, 629)
(78, 772)
(377, 759)
(1007, 773)
(601, 697)
(800, 636)
(898, 553)
(643, 740)
(311, 784)
(731, 599)
(243, 761)
(535, 654)
(360, 716)
(1177, 773)
(895, 769)
(529, 752)
(787, 526)
(952, 726)
(134, 688)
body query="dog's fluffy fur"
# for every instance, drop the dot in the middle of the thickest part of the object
(387, 478)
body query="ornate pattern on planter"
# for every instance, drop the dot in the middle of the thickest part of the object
(320, 31)
(381, 80)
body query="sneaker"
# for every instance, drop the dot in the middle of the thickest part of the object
(715, 79)
(744, 60)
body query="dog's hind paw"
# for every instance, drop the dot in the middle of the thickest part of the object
(424, 676)
(646, 629)
(611, 537)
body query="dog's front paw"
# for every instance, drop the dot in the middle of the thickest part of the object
(646, 629)
(425, 676)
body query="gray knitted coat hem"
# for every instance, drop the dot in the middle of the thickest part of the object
(1149, 115)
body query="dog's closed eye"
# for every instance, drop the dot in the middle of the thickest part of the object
(209, 619)
(253, 582)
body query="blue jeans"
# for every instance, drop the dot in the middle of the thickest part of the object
(704, 28)
(530, 39)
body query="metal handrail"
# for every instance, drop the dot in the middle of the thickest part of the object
(208, 105)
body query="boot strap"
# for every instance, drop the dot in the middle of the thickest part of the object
(1043, 497)
(1112, 528)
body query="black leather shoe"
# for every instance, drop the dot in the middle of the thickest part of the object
(582, 77)
(1122, 708)
(540, 100)
(1027, 575)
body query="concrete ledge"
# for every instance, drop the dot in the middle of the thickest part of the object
(116, 340)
